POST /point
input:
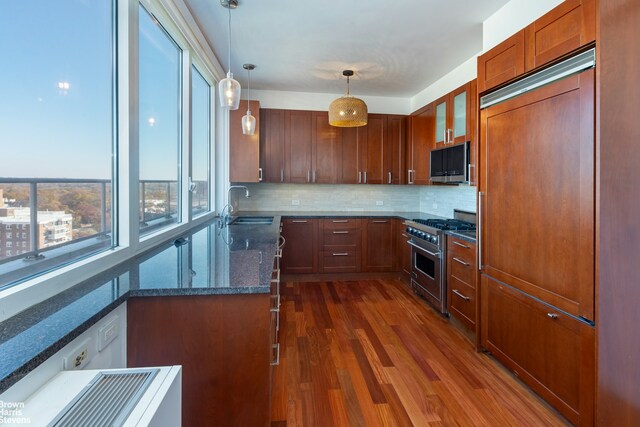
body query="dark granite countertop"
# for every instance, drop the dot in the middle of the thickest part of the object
(350, 214)
(469, 236)
(211, 261)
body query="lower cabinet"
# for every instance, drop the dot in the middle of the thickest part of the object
(461, 281)
(403, 249)
(550, 351)
(340, 245)
(300, 253)
(378, 245)
(223, 344)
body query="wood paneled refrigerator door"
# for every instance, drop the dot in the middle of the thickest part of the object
(538, 193)
(272, 148)
(326, 149)
(298, 143)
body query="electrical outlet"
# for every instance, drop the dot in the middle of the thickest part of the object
(78, 358)
(379, 202)
(108, 333)
(295, 202)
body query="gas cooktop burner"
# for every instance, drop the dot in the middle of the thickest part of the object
(447, 224)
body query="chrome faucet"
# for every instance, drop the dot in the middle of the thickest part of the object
(226, 218)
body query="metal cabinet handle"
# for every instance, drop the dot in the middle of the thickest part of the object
(276, 349)
(444, 137)
(299, 221)
(281, 245)
(552, 315)
(340, 232)
(308, 176)
(259, 174)
(365, 177)
(281, 175)
(390, 180)
(276, 306)
(313, 176)
(341, 254)
(461, 261)
(461, 245)
(380, 221)
(480, 194)
(455, 291)
(359, 177)
(408, 176)
(335, 221)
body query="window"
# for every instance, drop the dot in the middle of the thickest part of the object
(160, 125)
(9, 235)
(56, 128)
(8, 244)
(200, 142)
(8, 227)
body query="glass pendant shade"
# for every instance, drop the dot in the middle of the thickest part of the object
(229, 93)
(248, 124)
(347, 112)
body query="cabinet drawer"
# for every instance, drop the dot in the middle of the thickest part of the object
(462, 302)
(341, 224)
(462, 248)
(550, 351)
(349, 237)
(462, 268)
(340, 260)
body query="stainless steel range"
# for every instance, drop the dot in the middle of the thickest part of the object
(428, 245)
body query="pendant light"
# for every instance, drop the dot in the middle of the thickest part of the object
(228, 88)
(348, 111)
(248, 121)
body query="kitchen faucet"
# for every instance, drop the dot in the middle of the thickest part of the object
(226, 218)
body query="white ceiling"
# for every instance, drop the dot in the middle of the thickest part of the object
(397, 48)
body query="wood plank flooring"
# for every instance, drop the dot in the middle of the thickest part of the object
(371, 353)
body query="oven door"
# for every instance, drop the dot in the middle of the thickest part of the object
(426, 271)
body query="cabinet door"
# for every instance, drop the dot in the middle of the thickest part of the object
(550, 351)
(403, 250)
(300, 253)
(244, 150)
(373, 150)
(349, 172)
(298, 142)
(394, 154)
(442, 125)
(461, 114)
(564, 29)
(326, 149)
(272, 147)
(538, 172)
(422, 142)
(502, 63)
(378, 245)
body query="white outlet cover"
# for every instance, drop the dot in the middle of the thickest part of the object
(379, 202)
(295, 202)
(79, 357)
(108, 333)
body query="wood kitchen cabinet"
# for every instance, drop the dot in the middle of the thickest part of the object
(300, 253)
(223, 344)
(298, 146)
(462, 299)
(326, 149)
(455, 116)
(244, 150)
(403, 249)
(565, 28)
(372, 149)
(550, 351)
(420, 143)
(349, 170)
(393, 161)
(272, 145)
(340, 245)
(378, 245)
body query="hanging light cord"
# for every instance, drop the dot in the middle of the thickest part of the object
(229, 38)
(249, 93)
(348, 93)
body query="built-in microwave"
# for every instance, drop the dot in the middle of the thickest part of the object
(450, 164)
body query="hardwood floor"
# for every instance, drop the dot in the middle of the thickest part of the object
(371, 353)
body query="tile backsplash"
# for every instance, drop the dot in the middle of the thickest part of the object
(437, 200)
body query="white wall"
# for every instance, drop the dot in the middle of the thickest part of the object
(112, 356)
(321, 101)
(511, 18)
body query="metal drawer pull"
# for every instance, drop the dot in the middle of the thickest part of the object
(340, 232)
(299, 221)
(259, 174)
(281, 245)
(335, 221)
(281, 175)
(461, 245)
(276, 349)
(381, 222)
(466, 264)
(390, 179)
(455, 291)
(552, 315)
(341, 254)
(276, 307)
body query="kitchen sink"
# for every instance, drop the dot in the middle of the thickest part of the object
(253, 220)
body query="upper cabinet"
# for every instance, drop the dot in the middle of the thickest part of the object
(298, 146)
(272, 146)
(394, 150)
(564, 29)
(454, 115)
(244, 150)
(421, 142)
(326, 149)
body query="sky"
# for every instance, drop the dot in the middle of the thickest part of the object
(50, 132)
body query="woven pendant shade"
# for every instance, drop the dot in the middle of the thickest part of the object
(348, 111)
